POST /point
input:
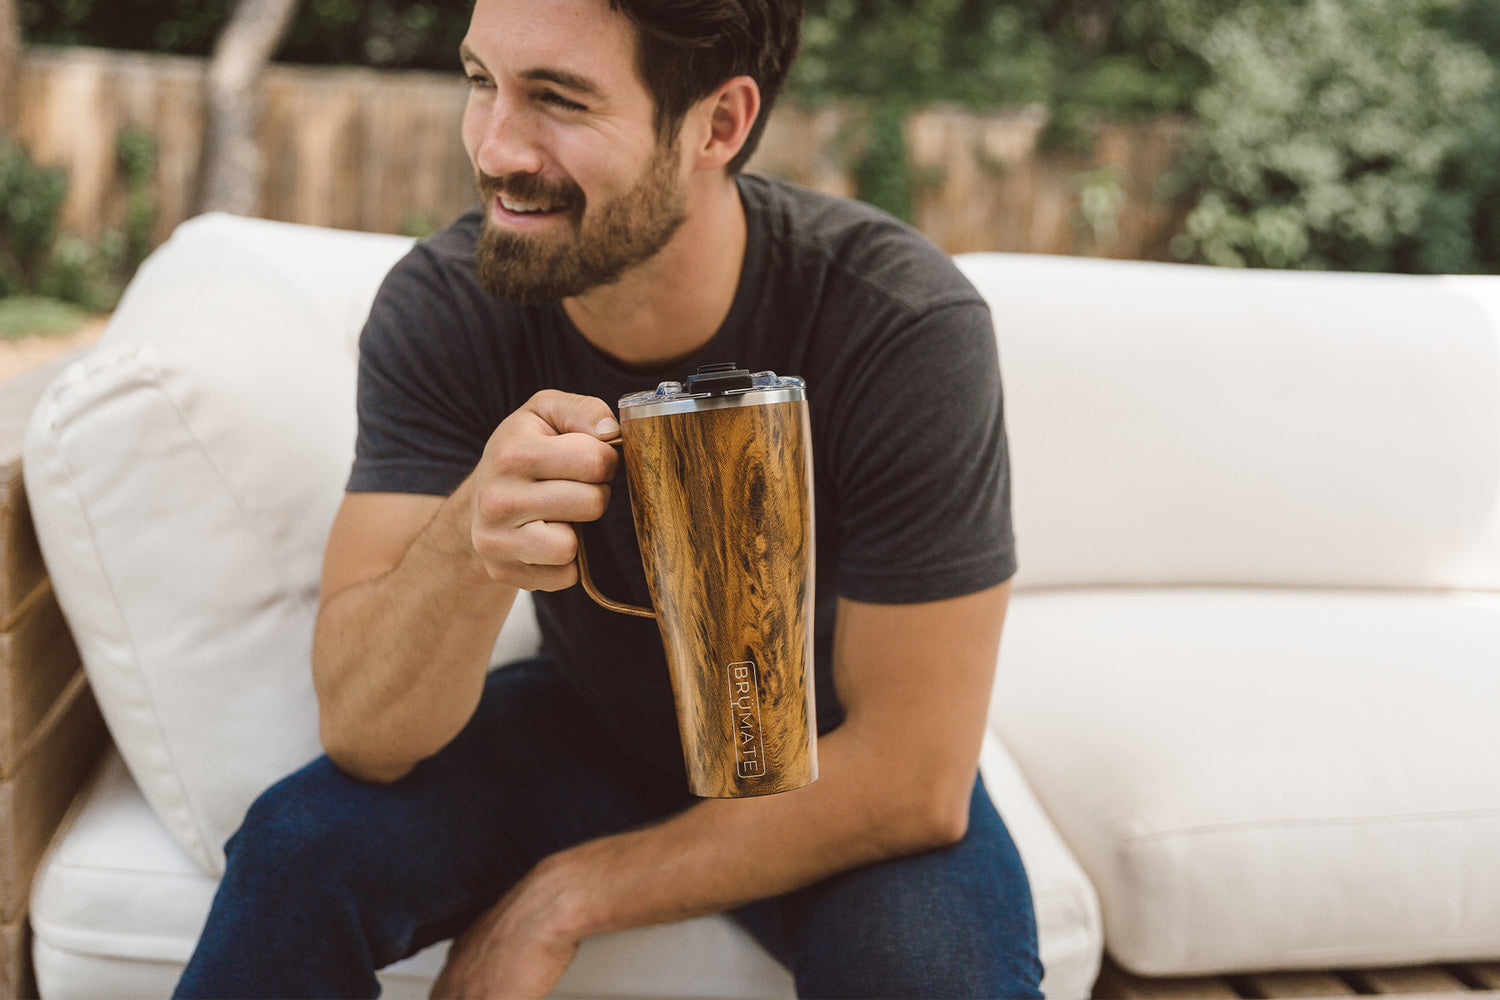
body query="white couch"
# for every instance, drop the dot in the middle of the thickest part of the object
(1249, 674)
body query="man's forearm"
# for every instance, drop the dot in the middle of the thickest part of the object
(722, 853)
(399, 660)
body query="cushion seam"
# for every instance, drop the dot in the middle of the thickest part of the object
(1308, 822)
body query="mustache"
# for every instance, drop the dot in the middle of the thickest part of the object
(530, 187)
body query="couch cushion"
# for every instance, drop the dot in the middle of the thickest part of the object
(183, 477)
(1174, 424)
(1267, 779)
(118, 906)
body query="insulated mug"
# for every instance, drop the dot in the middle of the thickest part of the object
(720, 475)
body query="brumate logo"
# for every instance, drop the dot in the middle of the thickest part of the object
(744, 709)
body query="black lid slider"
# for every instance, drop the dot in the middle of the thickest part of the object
(720, 379)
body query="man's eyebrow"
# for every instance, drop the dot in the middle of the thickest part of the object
(563, 78)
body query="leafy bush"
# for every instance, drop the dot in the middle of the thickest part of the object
(37, 260)
(1353, 136)
(31, 198)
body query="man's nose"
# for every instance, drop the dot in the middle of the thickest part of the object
(509, 144)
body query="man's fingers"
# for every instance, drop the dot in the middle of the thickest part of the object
(540, 457)
(506, 506)
(548, 579)
(543, 544)
(567, 413)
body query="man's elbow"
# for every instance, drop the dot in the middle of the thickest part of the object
(355, 758)
(930, 819)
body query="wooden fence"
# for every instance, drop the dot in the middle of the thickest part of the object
(379, 151)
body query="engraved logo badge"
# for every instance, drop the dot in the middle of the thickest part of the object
(744, 709)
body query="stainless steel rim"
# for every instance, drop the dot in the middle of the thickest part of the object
(696, 404)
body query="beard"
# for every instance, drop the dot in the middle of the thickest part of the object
(623, 232)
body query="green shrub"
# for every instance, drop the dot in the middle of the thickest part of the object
(31, 198)
(37, 260)
(1343, 135)
(135, 149)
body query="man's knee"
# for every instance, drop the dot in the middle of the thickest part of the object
(293, 836)
(925, 951)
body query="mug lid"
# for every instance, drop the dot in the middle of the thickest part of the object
(718, 385)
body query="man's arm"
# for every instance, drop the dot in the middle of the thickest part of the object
(415, 588)
(896, 779)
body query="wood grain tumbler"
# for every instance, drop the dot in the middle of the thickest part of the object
(720, 475)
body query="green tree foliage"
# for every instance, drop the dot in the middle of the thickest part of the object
(1354, 136)
(393, 33)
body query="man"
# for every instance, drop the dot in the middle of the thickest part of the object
(527, 808)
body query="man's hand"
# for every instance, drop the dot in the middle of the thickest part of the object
(545, 467)
(520, 947)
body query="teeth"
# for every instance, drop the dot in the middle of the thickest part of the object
(524, 207)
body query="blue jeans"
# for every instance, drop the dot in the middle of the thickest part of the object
(330, 878)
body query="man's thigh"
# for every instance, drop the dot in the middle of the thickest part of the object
(951, 922)
(530, 774)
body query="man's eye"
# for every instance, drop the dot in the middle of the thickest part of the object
(477, 80)
(559, 101)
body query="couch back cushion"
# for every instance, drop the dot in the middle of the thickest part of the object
(183, 477)
(1172, 424)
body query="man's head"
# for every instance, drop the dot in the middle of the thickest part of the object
(588, 120)
(686, 48)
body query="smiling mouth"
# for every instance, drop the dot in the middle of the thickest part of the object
(519, 207)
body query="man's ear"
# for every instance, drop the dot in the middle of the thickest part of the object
(723, 121)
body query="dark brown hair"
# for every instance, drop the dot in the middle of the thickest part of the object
(687, 48)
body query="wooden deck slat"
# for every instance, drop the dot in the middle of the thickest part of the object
(1298, 984)
(1487, 974)
(1115, 983)
(1457, 981)
(1425, 979)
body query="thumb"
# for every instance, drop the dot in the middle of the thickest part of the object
(568, 413)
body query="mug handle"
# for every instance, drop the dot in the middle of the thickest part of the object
(588, 581)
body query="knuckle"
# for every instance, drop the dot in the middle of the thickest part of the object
(598, 502)
(497, 505)
(517, 457)
(567, 547)
(550, 544)
(607, 460)
(555, 578)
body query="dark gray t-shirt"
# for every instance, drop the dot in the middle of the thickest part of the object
(911, 474)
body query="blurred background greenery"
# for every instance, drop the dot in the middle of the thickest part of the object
(1344, 134)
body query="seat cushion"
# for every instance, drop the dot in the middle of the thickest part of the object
(1267, 779)
(118, 906)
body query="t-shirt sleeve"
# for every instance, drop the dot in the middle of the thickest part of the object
(415, 432)
(921, 465)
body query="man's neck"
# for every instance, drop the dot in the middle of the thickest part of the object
(664, 310)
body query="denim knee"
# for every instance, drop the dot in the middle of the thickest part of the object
(289, 839)
(923, 945)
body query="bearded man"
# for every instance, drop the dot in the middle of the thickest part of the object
(618, 244)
